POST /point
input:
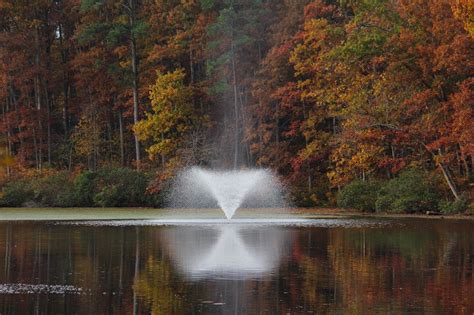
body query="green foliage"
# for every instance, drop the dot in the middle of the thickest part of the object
(16, 193)
(116, 34)
(452, 207)
(108, 197)
(90, 33)
(219, 87)
(470, 208)
(54, 191)
(84, 187)
(121, 187)
(87, 5)
(230, 34)
(113, 187)
(207, 4)
(140, 29)
(412, 191)
(360, 195)
(364, 45)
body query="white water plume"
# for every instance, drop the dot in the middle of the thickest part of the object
(229, 190)
(227, 251)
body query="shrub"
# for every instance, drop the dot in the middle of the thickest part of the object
(451, 207)
(113, 187)
(56, 190)
(360, 195)
(412, 191)
(109, 196)
(16, 193)
(470, 208)
(121, 187)
(85, 188)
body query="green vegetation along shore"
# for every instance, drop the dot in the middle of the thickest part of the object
(412, 191)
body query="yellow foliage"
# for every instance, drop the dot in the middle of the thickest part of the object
(86, 136)
(350, 161)
(464, 11)
(172, 115)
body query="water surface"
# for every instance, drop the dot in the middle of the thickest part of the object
(330, 266)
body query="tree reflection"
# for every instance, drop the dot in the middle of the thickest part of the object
(419, 266)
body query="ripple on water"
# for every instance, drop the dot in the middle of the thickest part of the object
(330, 223)
(22, 288)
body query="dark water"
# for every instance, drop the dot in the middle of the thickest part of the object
(351, 267)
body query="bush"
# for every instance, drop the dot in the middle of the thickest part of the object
(114, 187)
(452, 207)
(55, 191)
(84, 188)
(16, 193)
(412, 191)
(470, 208)
(110, 196)
(121, 187)
(360, 195)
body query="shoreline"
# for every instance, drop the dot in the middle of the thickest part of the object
(52, 214)
(352, 213)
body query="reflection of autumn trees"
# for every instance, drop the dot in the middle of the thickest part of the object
(421, 266)
(87, 258)
(157, 285)
(390, 270)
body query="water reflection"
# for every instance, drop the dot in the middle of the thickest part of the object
(226, 251)
(410, 266)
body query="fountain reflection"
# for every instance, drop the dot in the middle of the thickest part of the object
(226, 252)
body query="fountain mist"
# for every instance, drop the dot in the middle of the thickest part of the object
(229, 190)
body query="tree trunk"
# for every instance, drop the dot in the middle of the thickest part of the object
(122, 151)
(236, 107)
(5, 110)
(191, 64)
(134, 60)
(243, 116)
(48, 98)
(446, 173)
(277, 124)
(65, 109)
(17, 114)
(163, 160)
(37, 88)
(35, 147)
(109, 138)
(449, 179)
(48, 124)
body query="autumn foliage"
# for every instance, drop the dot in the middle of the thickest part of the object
(324, 92)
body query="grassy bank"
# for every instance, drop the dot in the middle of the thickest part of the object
(339, 212)
(55, 214)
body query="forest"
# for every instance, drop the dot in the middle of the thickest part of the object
(365, 104)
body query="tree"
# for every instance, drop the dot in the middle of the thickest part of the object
(234, 49)
(171, 120)
(117, 27)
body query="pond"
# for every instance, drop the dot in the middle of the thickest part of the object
(339, 265)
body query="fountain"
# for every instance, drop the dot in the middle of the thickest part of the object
(228, 190)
